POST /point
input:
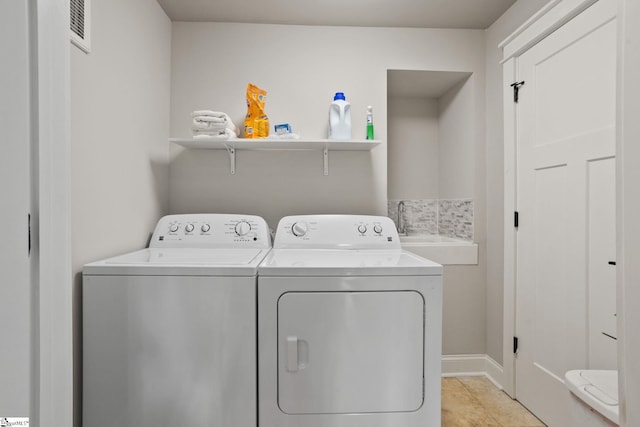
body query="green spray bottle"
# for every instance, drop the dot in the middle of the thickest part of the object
(369, 122)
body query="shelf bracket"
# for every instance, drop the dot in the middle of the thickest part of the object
(232, 158)
(325, 160)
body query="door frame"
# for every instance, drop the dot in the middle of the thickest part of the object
(551, 17)
(628, 201)
(52, 381)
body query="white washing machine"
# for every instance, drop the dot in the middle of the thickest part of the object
(169, 332)
(349, 327)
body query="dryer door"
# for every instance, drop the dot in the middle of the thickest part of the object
(350, 352)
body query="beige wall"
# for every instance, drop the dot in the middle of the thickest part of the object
(413, 159)
(462, 175)
(433, 153)
(119, 126)
(459, 144)
(119, 129)
(432, 144)
(301, 67)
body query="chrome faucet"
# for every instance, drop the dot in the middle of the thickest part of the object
(402, 228)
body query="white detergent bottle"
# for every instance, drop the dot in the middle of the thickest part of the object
(340, 118)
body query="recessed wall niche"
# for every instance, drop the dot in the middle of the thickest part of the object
(431, 142)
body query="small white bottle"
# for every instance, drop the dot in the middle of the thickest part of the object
(340, 118)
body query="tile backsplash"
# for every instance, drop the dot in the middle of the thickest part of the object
(446, 217)
(455, 218)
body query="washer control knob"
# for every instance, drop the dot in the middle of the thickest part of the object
(173, 228)
(205, 228)
(242, 228)
(377, 228)
(362, 228)
(189, 228)
(299, 229)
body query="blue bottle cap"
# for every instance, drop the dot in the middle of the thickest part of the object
(339, 96)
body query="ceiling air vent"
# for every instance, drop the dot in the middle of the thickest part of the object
(80, 28)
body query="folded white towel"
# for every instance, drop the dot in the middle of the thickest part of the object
(208, 120)
(227, 134)
(209, 131)
(215, 131)
(208, 126)
(208, 113)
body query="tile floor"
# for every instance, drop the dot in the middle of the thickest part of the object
(476, 402)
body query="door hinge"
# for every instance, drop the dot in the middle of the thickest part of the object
(516, 89)
(515, 345)
(516, 219)
(29, 234)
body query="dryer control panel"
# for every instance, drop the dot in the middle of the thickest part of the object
(211, 231)
(336, 232)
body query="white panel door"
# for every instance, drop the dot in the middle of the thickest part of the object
(601, 296)
(15, 282)
(350, 352)
(565, 124)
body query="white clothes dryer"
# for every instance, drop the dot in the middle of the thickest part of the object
(349, 327)
(169, 332)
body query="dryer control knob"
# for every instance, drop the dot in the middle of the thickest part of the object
(377, 228)
(299, 229)
(362, 228)
(205, 228)
(242, 228)
(173, 228)
(189, 228)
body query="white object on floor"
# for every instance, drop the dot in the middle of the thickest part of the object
(594, 397)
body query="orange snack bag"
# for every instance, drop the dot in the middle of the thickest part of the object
(256, 123)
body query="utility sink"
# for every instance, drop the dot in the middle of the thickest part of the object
(441, 249)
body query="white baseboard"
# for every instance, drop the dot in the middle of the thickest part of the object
(467, 365)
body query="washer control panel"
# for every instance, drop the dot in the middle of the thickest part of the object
(211, 231)
(336, 232)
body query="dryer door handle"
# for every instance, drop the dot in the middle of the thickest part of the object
(292, 354)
